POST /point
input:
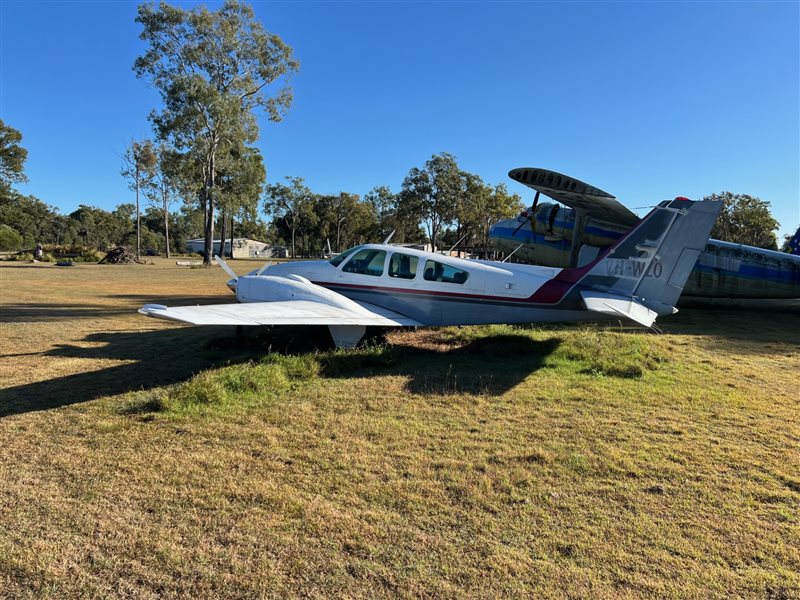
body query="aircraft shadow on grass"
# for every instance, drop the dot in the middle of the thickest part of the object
(490, 365)
(32, 312)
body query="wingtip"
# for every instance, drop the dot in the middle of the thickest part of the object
(149, 309)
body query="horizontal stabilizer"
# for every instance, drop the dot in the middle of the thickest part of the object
(619, 306)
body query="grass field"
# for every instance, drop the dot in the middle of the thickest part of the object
(142, 459)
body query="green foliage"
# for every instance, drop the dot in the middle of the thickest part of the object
(483, 205)
(10, 239)
(35, 220)
(21, 257)
(12, 157)
(87, 255)
(432, 193)
(441, 194)
(745, 220)
(292, 204)
(140, 162)
(214, 69)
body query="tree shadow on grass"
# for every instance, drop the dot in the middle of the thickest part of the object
(490, 365)
(159, 357)
(33, 312)
(37, 313)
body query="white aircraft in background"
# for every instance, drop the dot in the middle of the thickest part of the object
(638, 278)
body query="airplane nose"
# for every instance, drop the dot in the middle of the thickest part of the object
(231, 283)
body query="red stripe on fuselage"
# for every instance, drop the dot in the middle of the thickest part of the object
(549, 298)
(420, 292)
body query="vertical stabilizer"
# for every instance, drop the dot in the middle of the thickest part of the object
(652, 262)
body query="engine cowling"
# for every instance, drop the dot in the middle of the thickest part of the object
(269, 288)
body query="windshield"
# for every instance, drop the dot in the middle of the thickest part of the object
(337, 260)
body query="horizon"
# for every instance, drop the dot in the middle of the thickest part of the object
(645, 101)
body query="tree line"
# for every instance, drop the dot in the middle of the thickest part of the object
(437, 202)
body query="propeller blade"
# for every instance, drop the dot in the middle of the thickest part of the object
(535, 202)
(226, 268)
(520, 227)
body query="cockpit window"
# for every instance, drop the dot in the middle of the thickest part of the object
(403, 266)
(436, 271)
(366, 262)
(337, 260)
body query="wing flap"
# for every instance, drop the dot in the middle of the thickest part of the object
(291, 312)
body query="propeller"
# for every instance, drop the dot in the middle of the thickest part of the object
(529, 214)
(226, 268)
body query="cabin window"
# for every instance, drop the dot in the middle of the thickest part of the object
(403, 266)
(337, 260)
(436, 271)
(366, 262)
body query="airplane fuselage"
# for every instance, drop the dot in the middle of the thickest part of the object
(639, 278)
(492, 292)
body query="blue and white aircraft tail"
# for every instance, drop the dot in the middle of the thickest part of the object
(549, 234)
(639, 278)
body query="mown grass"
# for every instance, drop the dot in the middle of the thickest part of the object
(474, 462)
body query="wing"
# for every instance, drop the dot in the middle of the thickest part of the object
(289, 312)
(575, 194)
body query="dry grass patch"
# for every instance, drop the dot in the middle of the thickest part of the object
(147, 460)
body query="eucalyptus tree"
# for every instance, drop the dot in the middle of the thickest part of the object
(164, 189)
(33, 219)
(431, 194)
(214, 69)
(139, 166)
(241, 179)
(745, 220)
(293, 204)
(12, 158)
(486, 204)
(383, 204)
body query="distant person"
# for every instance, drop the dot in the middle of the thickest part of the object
(37, 253)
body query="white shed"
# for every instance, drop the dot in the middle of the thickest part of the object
(242, 248)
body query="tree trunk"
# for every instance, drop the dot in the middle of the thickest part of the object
(231, 236)
(138, 220)
(208, 242)
(166, 217)
(293, 237)
(223, 230)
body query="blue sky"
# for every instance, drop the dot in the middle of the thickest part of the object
(646, 100)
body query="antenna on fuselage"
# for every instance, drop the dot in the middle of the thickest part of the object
(389, 237)
(512, 253)
(226, 268)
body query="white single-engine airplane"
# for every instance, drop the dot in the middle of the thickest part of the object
(638, 278)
